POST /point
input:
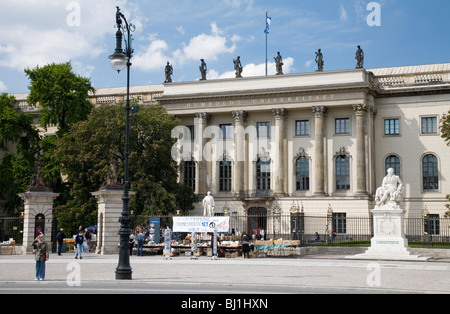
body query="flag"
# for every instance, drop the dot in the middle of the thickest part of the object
(268, 21)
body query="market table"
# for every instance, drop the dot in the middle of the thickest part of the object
(270, 248)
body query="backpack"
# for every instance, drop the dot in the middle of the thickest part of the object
(140, 238)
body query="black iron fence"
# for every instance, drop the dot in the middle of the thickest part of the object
(11, 228)
(334, 229)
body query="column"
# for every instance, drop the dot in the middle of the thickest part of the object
(240, 117)
(201, 121)
(279, 172)
(319, 158)
(35, 203)
(361, 186)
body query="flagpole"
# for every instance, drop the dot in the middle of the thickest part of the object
(266, 40)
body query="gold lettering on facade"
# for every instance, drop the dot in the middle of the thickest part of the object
(257, 101)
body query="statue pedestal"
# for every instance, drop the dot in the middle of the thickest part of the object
(389, 242)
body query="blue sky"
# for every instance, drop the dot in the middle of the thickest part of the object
(37, 32)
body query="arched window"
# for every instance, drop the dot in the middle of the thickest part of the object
(263, 174)
(225, 175)
(189, 174)
(430, 174)
(302, 173)
(342, 172)
(393, 162)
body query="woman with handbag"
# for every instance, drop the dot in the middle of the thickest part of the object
(41, 255)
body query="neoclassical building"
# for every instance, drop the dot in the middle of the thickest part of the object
(320, 139)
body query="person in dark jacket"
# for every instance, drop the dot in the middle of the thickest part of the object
(245, 245)
(79, 239)
(60, 237)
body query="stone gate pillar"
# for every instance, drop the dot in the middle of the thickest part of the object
(37, 204)
(110, 207)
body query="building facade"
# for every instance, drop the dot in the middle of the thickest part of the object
(310, 142)
(323, 140)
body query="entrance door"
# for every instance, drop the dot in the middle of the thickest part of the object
(257, 221)
(39, 224)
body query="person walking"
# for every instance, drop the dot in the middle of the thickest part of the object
(140, 243)
(88, 237)
(60, 238)
(79, 239)
(245, 245)
(41, 255)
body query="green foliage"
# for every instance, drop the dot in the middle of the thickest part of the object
(86, 153)
(61, 94)
(16, 168)
(445, 127)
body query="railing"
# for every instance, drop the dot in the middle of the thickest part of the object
(11, 228)
(332, 230)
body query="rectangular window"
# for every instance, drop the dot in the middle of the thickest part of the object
(263, 129)
(226, 131)
(429, 125)
(431, 224)
(192, 132)
(340, 223)
(225, 176)
(189, 174)
(301, 127)
(391, 127)
(342, 126)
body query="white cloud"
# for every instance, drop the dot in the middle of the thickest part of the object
(343, 14)
(55, 31)
(208, 47)
(181, 30)
(252, 69)
(154, 57)
(203, 46)
(3, 87)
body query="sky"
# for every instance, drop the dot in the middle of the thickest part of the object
(391, 33)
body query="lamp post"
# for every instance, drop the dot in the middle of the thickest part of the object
(119, 60)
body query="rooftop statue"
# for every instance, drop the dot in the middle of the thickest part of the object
(238, 66)
(169, 72)
(359, 58)
(203, 70)
(319, 61)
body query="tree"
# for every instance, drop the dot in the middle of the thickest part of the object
(16, 168)
(61, 94)
(87, 151)
(445, 127)
(445, 134)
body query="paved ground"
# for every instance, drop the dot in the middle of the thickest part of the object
(181, 275)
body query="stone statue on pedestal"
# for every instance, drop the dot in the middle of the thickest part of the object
(208, 205)
(390, 191)
(203, 70)
(112, 177)
(168, 72)
(37, 181)
(319, 60)
(279, 64)
(238, 67)
(359, 58)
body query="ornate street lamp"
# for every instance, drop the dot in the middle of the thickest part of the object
(119, 60)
